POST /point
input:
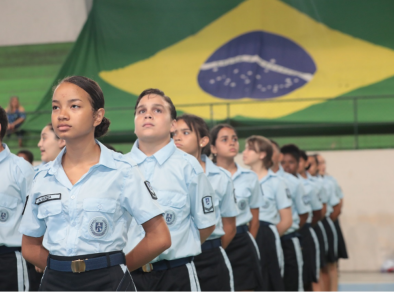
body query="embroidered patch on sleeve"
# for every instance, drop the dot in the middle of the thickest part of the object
(207, 205)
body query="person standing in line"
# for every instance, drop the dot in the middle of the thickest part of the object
(81, 204)
(213, 266)
(16, 176)
(310, 241)
(242, 251)
(275, 214)
(179, 185)
(50, 145)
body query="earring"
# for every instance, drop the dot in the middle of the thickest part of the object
(200, 145)
(214, 154)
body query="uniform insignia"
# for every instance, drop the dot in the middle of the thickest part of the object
(98, 227)
(288, 193)
(150, 190)
(24, 208)
(242, 204)
(235, 197)
(306, 199)
(170, 217)
(266, 204)
(3, 215)
(207, 204)
(47, 198)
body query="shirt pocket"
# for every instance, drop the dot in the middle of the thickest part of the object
(174, 208)
(98, 217)
(52, 213)
(8, 206)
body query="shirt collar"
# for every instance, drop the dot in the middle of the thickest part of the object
(106, 159)
(269, 174)
(280, 171)
(210, 167)
(4, 154)
(161, 156)
(239, 171)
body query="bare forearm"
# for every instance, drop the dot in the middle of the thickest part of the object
(316, 217)
(254, 224)
(335, 213)
(205, 233)
(230, 230)
(303, 218)
(34, 252)
(18, 121)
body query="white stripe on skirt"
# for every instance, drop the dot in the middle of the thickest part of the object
(194, 284)
(317, 248)
(19, 267)
(279, 251)
(255, 244)
(196, 276)
(334, 232)
(300, 262)
(323, 230)
(25, 275)
(230, 269)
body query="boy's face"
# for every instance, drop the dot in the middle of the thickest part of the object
(152, 119)
(289, 164)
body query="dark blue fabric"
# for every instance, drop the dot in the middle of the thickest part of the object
(242, 229)
(211, 244)
(6, 249)
(290, 235)
(164, 264)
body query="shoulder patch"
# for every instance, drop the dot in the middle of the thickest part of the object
(207, 204)
(288, 193)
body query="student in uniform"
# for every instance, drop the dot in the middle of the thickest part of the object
(242, 251)
(301, 209)
(310, 241)
(274, 215)
(26, 155)
(16, 176)
(326, 224)
(213, 266)
(81, 204)
(179, 185)
(50, 145)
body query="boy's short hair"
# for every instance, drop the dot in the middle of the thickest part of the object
(160, 93)
(3, 122)
(28, 154)
(291, 149)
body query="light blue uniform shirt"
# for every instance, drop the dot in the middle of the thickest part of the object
(16, 176)
(312, 190)
(300, 199)
(333, 199)
(91, 216)
(276, 197)
(338, 189)
(321, 190)
(248, 193)
(185, 195)
(224, 201)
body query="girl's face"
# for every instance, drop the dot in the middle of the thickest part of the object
(251, 157)
(185, 139)
(49, 145)
(72, 113)
(14, 102)
(301, 165)
(227, 145)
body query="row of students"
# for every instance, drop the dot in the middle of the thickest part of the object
(223, 227)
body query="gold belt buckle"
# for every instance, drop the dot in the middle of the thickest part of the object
(147, 268)
(78, 266)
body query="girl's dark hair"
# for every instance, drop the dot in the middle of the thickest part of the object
(262, 144)
(3, 122)
(303, 155)
(197, 125)
(215, 132)
(96, 99)
(291, 149)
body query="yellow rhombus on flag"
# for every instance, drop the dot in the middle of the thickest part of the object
(344, 63)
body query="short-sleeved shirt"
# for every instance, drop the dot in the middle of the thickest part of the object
(225, 201)
(91, 216)
(276, 197)
(300, 199)
(248, 193)
(332, 198)
(338, 189)
(322, 194)
(16, 176)
(184, 193)
(312, 190)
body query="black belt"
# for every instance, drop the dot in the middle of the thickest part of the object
(7, 249)
(265, 223)
(164, 265)
(211, 244)
(307, 225)
(242, 229)
(290, 235)
(86, 263)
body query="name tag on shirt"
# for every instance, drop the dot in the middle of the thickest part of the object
(47, 198)
(150, 190)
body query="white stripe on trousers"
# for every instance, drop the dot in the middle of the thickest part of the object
(334, 232)
(23, 278)
(317, 248)
(255, 244)
(300, 262)
(279, 251)
(194, 284)
(323, 230)
(230, 269)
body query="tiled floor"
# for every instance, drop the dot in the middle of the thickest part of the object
(366, 281)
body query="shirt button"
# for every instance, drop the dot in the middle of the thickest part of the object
(72, 197)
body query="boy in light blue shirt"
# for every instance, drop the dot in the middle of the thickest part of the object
(181, 188)
(16, 176)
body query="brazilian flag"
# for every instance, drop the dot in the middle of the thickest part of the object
(253, 63)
